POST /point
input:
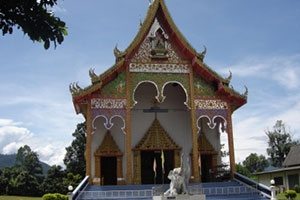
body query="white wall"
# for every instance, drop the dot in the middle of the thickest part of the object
(212, 135)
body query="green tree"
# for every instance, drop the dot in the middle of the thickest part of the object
(28, 160)
(53, 183)
(34, 18)
(74, 158)
(242, 170)
(9, 179)
(2, 183)
(72, 179)
(280, 142)
(27, 185)
(255, 163)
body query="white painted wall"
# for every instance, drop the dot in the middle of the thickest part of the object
(97, 138)
(213, 136)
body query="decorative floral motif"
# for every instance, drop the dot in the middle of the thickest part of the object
(144, 55)
(210, 104)
(202, 88)
(116, 86)
(108, 103)
(159, 68)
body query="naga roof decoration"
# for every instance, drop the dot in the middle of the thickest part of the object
(158, 8)
(156, 138)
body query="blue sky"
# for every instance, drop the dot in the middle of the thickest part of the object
(259, 41)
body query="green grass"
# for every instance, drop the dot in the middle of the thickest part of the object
(282, 197)
(19, 198)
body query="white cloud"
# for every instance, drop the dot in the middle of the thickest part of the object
(250, 126)
(11, 132)
(284, 70)
(273, 95)
(13, 136)
(7, 122)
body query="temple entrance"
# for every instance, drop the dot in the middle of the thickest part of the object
(147, 166)
(109, 170)
(207, 168)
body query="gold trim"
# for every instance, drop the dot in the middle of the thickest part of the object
(88, 150)
(204, 146)
(156, 138)
(108, 147)
(195, 157)
(128, 130)
(230, 144)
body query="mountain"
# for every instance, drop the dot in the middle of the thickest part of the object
(9, 161)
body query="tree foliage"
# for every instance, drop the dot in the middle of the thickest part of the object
(255, 163)
(28, 160)
(35, 20)
(23, 178)
(16, 181)
(27, 185)
(74, 158)
(242, 170)
(53, 183)
(280, 143)
(72, 179)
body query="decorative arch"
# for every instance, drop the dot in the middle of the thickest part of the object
(141, 82)
(211, 122)
(184, 89)
(108, 124)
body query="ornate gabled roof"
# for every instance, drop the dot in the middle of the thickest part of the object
(108, 147)
(158, 8)
(156, 138)
(204, 146)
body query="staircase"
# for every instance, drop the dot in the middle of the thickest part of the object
(214, 191)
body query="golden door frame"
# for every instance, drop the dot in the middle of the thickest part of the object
(155, 139)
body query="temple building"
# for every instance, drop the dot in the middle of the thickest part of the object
(157, 101)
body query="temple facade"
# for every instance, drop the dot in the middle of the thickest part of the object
(157, 101)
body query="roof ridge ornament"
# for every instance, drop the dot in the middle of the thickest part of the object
(246, 92)
(118, 54)
(93, 75)
(228, 79)
(141, 22)
(151, 2)
(201, 55)
(74, 88)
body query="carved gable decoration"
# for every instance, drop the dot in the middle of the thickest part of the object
(204, 146)
(108, 147)
(156, 138)
(157, 47)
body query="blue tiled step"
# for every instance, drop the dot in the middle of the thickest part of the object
(214, 191)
